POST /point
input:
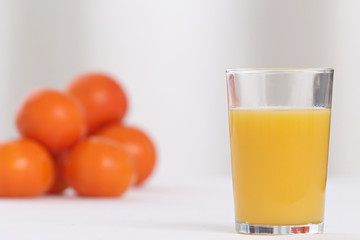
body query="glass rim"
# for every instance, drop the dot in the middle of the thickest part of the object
(279, 70)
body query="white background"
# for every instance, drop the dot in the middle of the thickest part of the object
(176, 210)
(170, 56)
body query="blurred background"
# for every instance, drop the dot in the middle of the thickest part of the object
(170, 57)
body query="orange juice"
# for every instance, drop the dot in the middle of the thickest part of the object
(279, 163)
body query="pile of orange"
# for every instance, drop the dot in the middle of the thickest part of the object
(76, 139)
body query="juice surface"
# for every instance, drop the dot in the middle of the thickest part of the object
(279, 163)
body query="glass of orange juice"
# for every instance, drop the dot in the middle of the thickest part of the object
(279, 135)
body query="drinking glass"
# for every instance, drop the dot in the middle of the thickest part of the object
(279, 121)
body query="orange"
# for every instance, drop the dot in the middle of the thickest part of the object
(99, 167)
(103, 98)
(138, 144)
(53, 118)
(59, 184)
(26, 169)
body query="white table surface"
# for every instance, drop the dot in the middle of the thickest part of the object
(187, 208)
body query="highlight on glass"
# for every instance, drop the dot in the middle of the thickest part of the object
(279, 121)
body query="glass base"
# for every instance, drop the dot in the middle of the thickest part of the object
(278, 229)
